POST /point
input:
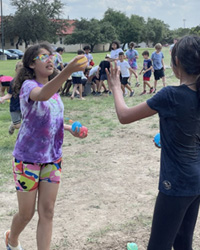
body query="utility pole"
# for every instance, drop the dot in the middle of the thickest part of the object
(184, 23)
(3, 56)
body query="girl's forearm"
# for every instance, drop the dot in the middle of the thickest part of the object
(6, 97)
(54, 85)
(67, 127)
(120, 105)
(128, 115)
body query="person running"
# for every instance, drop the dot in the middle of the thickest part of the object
(147, 68)
(157, 58)
(132, 55)
(125, 70)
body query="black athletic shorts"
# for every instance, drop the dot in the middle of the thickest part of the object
(158, 74)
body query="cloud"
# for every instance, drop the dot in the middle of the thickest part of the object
(172, 12)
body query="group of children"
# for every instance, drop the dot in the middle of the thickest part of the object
(154, 64)
(98, 75)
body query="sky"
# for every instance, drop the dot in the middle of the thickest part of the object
(175, 13)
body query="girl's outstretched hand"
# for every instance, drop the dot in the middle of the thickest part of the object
(75, 133)
(78, 63)
(113, 76)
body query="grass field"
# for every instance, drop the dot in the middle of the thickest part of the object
(105, 165)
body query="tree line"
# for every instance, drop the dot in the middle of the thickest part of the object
(40, 20)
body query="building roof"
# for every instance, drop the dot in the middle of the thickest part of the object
(69, 29)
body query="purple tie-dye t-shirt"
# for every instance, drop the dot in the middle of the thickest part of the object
(40, 137)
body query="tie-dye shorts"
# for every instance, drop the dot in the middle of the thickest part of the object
(27, 175)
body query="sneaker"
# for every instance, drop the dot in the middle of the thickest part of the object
(124, 95)
(154, 91)
(106, 91)
(11, 129)
(110, 93)
(93, 93)
(143, 93)
(151, 90)
(137, 84)
(132, 93)
(8, 247)
(98, 93)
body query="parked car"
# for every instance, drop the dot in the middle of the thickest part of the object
(9, 54)
(17, 52)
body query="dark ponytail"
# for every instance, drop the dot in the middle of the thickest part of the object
(187, 51)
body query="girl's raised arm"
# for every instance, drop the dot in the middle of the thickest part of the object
(50, 88)
(125, 114)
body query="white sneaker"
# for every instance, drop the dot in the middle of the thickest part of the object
(8, 247)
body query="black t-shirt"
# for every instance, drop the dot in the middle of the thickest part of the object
(103, 66)
(14, 101)
(179, 111)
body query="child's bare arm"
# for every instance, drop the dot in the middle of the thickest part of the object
(50, 88)
(125, 114)
(150, 68)
(142, 70)
(5, 97)
(163, 64)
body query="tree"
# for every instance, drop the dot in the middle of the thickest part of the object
(156, 30)
(182, 32)
(195, 30)
(136, 34)
(35, 20)
(91, 32)
(120, 22)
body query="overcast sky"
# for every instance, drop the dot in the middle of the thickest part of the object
(175, 13)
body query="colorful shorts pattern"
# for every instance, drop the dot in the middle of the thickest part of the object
(27, 175)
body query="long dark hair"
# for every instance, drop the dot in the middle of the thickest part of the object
(117, 43)
(187, 51)
(26, 72)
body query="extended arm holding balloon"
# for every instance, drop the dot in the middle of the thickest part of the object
(76, 129)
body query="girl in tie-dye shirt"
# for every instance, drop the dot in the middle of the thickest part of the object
(37, 153)
(132, 56)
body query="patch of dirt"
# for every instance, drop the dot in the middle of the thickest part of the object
(107, 194)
